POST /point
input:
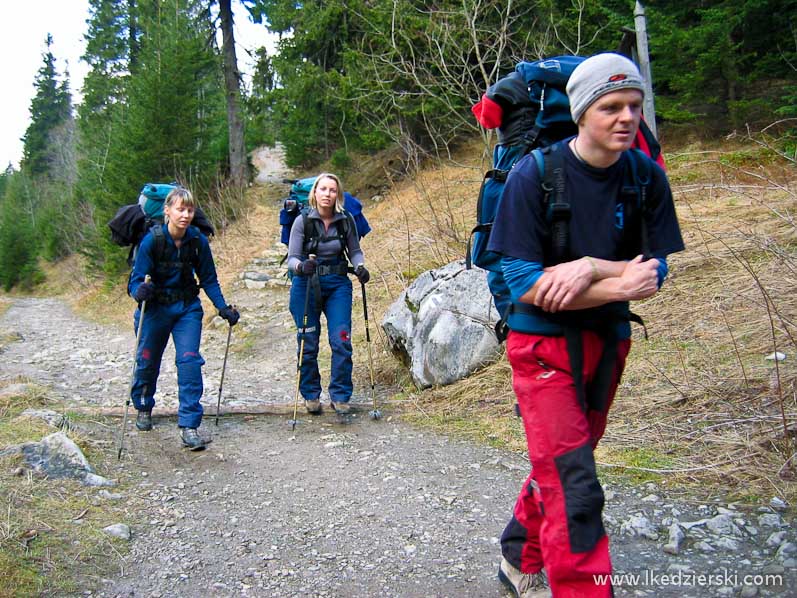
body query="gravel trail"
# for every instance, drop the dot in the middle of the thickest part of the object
(373, 509)
(376, 508)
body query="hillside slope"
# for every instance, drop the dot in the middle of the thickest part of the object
(700, 402)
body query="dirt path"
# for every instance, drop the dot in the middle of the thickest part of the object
(373, 509)
(376, 508)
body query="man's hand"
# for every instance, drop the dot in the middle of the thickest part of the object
(562, 283)
(640, 280)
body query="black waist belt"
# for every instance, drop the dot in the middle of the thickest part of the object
(169, 296)
(325, 269)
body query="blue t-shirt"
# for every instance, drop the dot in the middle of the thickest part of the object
(205, 269)
(596, 228)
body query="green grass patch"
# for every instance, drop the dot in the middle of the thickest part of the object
(19, 578)
(504, 432)
(244, 343)
(22, 429)
(633, 464)
(13, 429)
(51, 539)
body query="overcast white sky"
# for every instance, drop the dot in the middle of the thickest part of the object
(24, 25)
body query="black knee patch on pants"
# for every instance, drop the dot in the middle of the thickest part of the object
(583, 498)
(512, 541)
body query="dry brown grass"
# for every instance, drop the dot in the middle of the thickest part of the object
(699, 405)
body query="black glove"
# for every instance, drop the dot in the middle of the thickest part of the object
(144, 292)
(306, 268)
(362, 274)
(230, 314)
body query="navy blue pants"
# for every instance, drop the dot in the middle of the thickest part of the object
(335, 303)
(184, 323)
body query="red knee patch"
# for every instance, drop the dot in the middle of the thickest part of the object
(345, 336)
(145, 353)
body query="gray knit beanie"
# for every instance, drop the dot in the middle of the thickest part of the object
(597, 76)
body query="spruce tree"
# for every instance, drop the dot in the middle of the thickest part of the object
(50, 107)
(108, 51)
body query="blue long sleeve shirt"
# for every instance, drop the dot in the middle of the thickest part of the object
(204, 269)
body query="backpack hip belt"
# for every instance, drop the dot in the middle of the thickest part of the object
(326, 269)
(170, 296)
(594, 395)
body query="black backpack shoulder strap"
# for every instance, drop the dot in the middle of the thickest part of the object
(345, 228)
(557, 210)
(189, 259)
(313, 231)
(159, 245)
(636, 184)
(194, 249)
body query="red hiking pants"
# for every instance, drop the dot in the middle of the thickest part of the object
(557, 521)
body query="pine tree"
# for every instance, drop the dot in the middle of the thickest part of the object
(50, 107)
(173, 121)
(18, 239)
(108, 50)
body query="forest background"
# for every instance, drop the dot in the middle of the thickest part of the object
(163, 102)
(380, 91)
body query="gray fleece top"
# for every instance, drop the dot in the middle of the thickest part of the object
(327, 250)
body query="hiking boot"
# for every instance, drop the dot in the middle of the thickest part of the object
(144, 420)
(523, 585)
(313, 407)
(191, 439)
(343, 411)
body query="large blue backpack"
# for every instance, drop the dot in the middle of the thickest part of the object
(530, 109)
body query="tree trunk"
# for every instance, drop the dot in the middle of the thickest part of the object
(232, 77)
(132, 34)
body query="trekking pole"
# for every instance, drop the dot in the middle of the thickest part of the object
(375, 414)
(223, 369)
(147, 279)
(293, 422)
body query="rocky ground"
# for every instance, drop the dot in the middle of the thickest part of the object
(376, 508)
(372, 509)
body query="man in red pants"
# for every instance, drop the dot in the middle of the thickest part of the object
(570, 318)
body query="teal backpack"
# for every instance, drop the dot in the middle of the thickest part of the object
(297, 203)
(152, 198)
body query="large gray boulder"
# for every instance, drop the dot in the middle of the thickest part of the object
(57, 456)
(441, 327)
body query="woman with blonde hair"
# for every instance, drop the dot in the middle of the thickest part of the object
(174, 255)
(322, 243)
